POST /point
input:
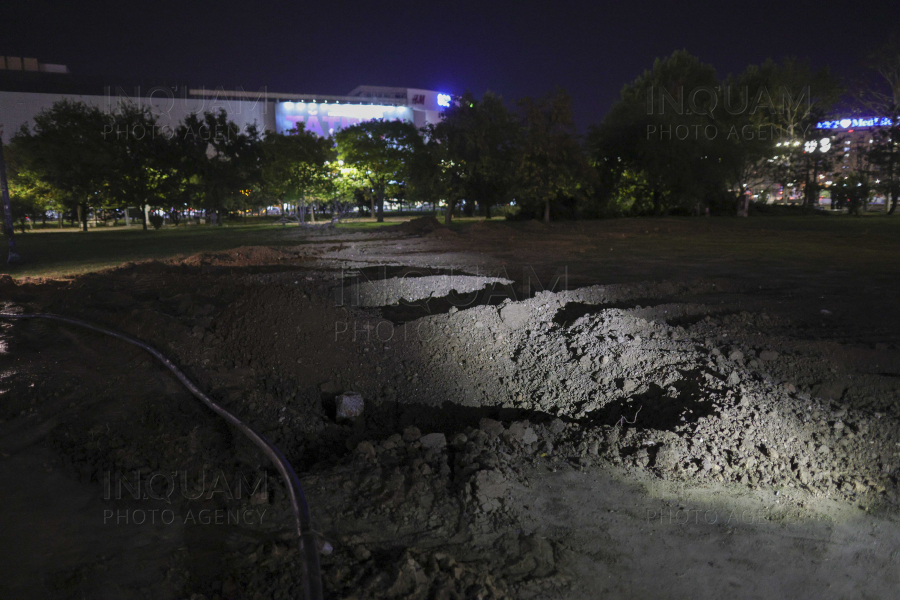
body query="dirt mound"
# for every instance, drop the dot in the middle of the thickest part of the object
(535, 225)
(419, 226)
(240, 257)
(486, 229)
(476, 416)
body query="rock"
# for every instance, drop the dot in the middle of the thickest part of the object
(349, 406)
(520, 433)
(433, 440)
(411, 434)
(536, 559)
(831, 390)
(767, 355)
(734, 378)
(361, 553)
(366, 449)
(490, 486)
(736, 356)
(642, 458)
(491, 427)
(667, 457)
(392, 442)
(459, 440)
(330, 388)
(514, 316)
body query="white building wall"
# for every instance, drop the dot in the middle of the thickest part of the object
(18, 108)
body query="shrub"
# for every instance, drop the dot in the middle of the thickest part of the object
(157, 221)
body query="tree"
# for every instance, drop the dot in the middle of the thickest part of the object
(853, 191)
(790, 99)
(552, 163)
(881, 95)
(434, 177)
(13, 253)
(67, 150)
(145, 161)
(657, 138)
(381, 151)
(219, 161)
(29, 196)
(293, 165)
(678, 139)
(480, 142)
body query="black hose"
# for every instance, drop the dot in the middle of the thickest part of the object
(312, 578)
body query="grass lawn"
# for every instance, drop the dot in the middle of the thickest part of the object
(868, 242)
(55, 253)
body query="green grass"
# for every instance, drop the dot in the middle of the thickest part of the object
(59, 253)
(52, 252)
(870, 242)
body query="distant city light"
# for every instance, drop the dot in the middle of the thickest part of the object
(861, 122)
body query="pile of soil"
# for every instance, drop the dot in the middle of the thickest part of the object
(464, 408)
(420, 226)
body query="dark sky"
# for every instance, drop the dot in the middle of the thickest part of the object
(514, 48)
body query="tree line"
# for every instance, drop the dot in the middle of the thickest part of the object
(680, 140)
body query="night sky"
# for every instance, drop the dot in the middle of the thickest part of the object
(512, 48)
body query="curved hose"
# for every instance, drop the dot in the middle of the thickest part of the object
(312, 580)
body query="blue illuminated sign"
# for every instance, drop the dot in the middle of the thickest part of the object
(443, 100)
(855, 123)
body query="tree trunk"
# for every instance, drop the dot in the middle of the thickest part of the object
(892, 186)
(547, 210)
(82, 216)
(380, 194)
(448, 216)
(312, 212)
(13, 257)
(144, 215)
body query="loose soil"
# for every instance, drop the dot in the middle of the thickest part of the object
(568, 411)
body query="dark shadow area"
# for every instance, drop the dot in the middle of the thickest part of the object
(658, 409)
(573, 311)
(383, 419)
(404, 312)
(688, 320)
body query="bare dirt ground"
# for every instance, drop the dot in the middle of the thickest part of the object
(677, 408)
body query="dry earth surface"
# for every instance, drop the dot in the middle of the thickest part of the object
(574, 411)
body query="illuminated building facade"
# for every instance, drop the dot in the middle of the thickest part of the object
(26, 92)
